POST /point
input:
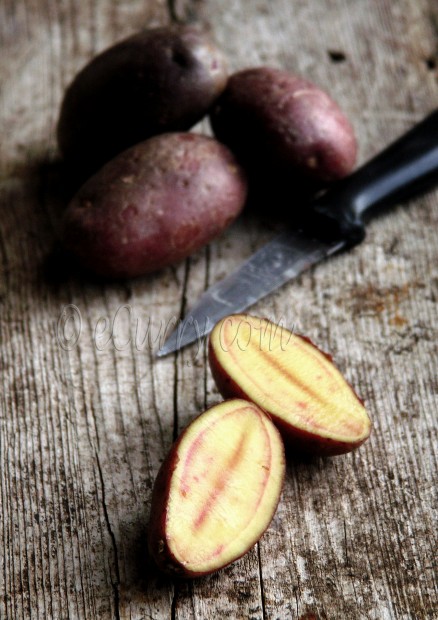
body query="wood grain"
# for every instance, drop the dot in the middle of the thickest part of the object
(86, 412)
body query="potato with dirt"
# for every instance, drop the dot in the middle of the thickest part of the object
(159, 80)
(154, 204)
(281, 124)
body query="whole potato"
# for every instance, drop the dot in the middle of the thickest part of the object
(159, 80)
(154, 204)
(275, 121)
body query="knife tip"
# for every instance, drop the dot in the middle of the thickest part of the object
(188, 332)
(170, 346)
(163, 352)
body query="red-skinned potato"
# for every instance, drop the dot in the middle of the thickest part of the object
(154, 204)
(217, 490)
(288, 377)
(156, 81)
(277, 122)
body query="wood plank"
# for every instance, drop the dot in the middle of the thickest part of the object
(85, 425)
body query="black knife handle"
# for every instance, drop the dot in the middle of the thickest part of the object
(406, 168)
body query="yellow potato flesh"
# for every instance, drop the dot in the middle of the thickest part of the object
(225, 486)
(289, 378)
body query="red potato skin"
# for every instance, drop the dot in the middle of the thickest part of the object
(157, 542)
(156, 81)
(277, 122)
(153, 205)
(158, 549)
(297, 440)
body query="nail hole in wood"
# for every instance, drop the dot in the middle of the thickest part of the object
(431, 63)
(336, 56)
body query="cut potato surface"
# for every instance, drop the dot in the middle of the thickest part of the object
(218, 489)
(292, 380)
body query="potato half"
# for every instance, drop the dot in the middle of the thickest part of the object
(217, 490)
(288, 377)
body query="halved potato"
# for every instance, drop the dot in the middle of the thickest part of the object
(217, 490)
(287, 376)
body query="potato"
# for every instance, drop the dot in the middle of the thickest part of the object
(289, 378)
(217, 490)
(154, 204)
(278, 122)
(159, 80)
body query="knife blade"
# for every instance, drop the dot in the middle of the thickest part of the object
(333, 222)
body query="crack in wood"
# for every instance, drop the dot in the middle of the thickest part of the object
(123, 434)
(174, 602)
(347, 559)
(182, 311)
(154, 399)
(115, 583)
(205, 348)
(261, 586)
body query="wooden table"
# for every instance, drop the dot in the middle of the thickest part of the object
(86, 412)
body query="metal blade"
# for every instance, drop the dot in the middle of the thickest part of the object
(282, 259)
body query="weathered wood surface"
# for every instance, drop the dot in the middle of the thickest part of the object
(87, 415)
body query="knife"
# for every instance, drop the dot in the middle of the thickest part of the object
(333, 222)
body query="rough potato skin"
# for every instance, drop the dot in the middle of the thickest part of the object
(276, 121)
(157, 543)
(154, 204)
(159, 80)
